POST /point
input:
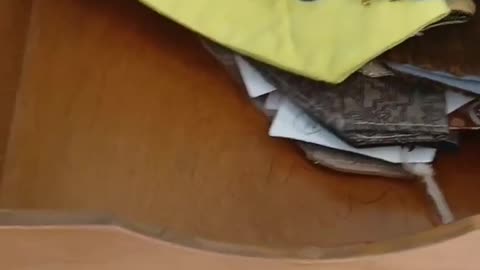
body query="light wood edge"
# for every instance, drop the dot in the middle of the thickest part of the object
(9, 218)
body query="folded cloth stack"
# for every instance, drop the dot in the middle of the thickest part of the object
(379, 93)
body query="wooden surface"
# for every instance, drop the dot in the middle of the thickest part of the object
(14, 18)
(63, 245)
(121, 111)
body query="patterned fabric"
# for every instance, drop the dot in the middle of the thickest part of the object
(368, 111)
(452, 49)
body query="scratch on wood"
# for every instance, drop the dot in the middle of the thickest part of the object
(289, 174)
(349, 207)
(379, 198)
(270, 169)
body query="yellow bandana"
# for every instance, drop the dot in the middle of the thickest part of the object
(324, 39)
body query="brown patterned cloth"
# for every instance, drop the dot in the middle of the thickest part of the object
(452, 49)
(367, 111)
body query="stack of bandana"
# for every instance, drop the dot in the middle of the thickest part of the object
(372, 87)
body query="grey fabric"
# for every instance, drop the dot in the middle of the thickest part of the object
(226, 57)
(353, 163)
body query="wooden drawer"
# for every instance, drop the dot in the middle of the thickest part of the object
(120, 111)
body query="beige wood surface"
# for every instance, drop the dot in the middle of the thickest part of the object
(56, 245)
(121, 111)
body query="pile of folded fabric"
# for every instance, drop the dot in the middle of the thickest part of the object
(373, 87)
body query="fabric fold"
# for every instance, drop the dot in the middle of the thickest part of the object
(310, 38)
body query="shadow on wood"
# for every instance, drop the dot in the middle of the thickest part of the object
(75, 242)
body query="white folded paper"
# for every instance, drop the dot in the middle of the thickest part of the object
(467, 83)
(291, 122)
(254, 81)
(456, 100)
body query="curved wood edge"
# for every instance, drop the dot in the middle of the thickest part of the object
(45, 219)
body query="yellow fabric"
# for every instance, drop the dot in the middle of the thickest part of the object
(325, 39)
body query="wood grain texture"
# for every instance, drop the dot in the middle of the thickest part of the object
(121, 111)
(14, 18)
(105, 246)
